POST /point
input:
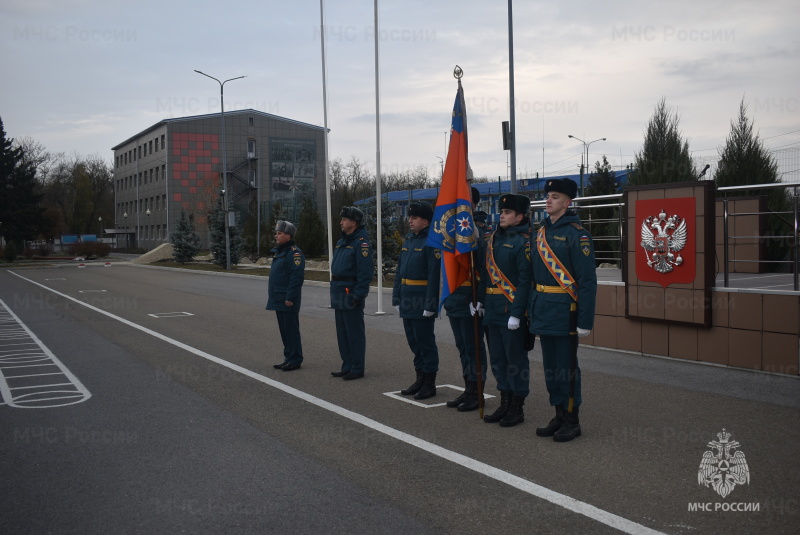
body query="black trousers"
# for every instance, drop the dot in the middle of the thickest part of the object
(289, 325)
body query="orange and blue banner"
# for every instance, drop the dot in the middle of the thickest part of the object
(453, 225)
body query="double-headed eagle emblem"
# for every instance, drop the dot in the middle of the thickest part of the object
(722, 469)
(662, 238)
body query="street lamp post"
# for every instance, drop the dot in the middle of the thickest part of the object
(99, 228)
(224, 162)
(586, 151)
(125, 215)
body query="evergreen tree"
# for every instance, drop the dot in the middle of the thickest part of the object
(311, 237)
(216, 223)
(185, 241)
(392, 240)
(276, 214)
(664, 157)
(19, 201)
(744, 160)
(603, 223)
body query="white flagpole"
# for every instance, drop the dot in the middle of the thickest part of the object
(325, 132)
(378, 199)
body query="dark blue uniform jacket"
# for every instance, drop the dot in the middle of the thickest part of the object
(351, 270)
(417, 262)
(286, 277)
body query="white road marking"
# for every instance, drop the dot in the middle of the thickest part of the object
(91, 291)
(398, 396)
(170, 314)
(556, 498)
(29, 354)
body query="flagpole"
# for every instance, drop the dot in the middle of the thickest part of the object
(512, 122)
(476, 334)
(325, 132)
(378, 200)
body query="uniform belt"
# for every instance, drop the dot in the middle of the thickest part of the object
(343, 278)
(466, 283)
(550, 289)
(495, 291)
(414, 282)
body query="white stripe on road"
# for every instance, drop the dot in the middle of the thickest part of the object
(30, 352)
(556, 498)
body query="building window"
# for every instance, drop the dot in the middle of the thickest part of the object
(163, 145)
(151, 146)
(251, 121)
(156, 144)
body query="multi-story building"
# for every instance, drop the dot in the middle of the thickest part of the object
(176, 164)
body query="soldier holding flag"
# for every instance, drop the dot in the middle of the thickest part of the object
(453, 227)
(466, 320)
(562, 304)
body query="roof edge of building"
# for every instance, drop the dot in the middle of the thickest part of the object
(249, 111)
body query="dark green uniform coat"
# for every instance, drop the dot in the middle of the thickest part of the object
(508, 356)
(550, 315)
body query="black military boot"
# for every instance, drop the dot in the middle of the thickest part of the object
(470, 402)
(415, 386)
(497, 415)
(515, 414)
(555, 424)
(571, 427)
(453, 403)
(428, 389)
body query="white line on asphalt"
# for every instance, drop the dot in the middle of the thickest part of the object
(556, 498)
(34, 354)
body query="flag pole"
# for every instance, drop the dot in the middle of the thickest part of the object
(476, 335)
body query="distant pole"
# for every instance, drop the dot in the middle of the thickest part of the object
(512, 123)
(224, 164)
(325, 132)
(378, 203)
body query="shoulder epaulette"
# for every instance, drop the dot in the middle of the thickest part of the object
(576, 225)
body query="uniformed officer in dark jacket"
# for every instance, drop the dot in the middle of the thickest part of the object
(416, 298)
(562, 245)
(508, 281)
(460, 310)
(285, 283)
(351, 272)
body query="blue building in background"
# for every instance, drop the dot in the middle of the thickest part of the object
(490, 193)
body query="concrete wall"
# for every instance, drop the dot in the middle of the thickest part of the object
(758, 331)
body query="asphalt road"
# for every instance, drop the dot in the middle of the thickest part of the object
(183, 426)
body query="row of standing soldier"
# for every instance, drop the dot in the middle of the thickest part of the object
(549, 291)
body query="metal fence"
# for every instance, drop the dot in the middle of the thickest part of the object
(614, 224)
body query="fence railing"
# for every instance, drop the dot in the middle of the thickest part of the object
(616, 238)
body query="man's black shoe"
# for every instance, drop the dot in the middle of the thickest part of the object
(279, 366)
(350, 376)
(291, 367)
(339, 374)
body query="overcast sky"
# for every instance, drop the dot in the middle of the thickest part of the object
(84, 75)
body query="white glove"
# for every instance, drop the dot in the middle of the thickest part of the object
(476, 309)
(397, 308)
(427, 313)
(513, 323)
(583, 332)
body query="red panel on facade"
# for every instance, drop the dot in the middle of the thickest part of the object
(666, 242)
(176, 197)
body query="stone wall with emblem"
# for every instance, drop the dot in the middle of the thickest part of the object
(670, 259)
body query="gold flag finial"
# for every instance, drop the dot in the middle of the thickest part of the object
(458, 73)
